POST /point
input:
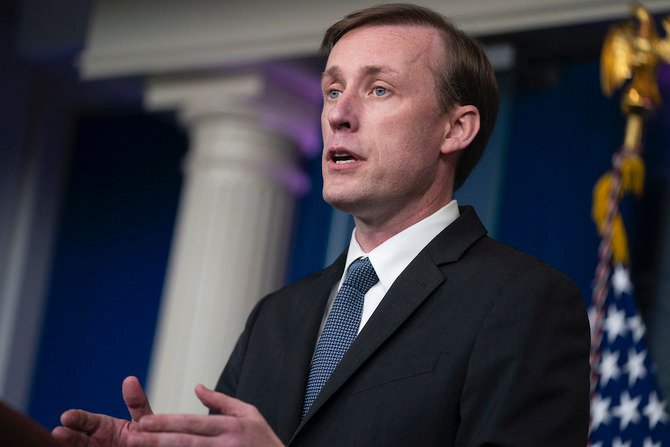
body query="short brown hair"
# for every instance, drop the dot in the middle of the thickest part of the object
(465, 77)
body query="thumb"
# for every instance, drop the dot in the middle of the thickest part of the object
(135, 398)
(218, 401)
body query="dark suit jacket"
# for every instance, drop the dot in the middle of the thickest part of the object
(475, 344)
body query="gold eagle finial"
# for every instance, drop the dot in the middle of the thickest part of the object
(631, 53)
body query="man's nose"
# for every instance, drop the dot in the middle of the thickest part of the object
(343, 114)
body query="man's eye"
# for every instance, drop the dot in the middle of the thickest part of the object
(380, 91)
(333, 94)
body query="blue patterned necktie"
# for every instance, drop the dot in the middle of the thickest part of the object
(341, 327)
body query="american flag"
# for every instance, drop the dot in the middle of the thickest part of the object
(627, 408)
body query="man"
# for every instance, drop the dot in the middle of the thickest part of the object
(454, 340)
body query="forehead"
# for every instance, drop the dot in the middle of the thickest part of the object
(394, 45)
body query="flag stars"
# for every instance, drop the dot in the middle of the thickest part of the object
(600, 411)
(635, 366)
(636, 327)
(655, 411)
(626, 411)
(621, 281)
(609, 367)
(615, 323)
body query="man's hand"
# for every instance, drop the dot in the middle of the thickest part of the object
(83, 429)
(239, 424)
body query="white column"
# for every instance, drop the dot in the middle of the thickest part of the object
(232, 233)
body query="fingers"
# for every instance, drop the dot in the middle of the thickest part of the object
(81, 420)
(188, 423)
(218, 401)
(240, 424)
(135, 398)
(182, 430)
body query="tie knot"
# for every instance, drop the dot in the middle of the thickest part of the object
(361, 275)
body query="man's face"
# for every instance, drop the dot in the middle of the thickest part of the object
(382, 126)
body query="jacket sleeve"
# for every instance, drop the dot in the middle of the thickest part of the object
(527, 379)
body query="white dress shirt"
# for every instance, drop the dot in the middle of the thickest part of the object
(394, 255)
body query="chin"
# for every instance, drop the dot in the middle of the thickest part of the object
(347, 203)
(362, 208)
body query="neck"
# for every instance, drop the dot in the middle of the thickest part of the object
(372, 232)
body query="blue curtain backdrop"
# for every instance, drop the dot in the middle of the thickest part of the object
(109, 263)
(562, 137)
(110, 259)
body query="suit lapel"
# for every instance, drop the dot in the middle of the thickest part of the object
(307, 314)
(412, 287)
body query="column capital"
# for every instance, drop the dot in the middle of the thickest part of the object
(278, 98)
(204, 94)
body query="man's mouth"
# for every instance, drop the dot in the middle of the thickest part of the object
(340, 157)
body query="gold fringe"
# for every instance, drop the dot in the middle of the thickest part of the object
(632, 181)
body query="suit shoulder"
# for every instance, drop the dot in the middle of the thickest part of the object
(504, 259)
(511, 275)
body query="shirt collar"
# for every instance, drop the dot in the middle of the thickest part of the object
(394, 255)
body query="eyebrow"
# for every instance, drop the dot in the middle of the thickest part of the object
(332, 72)
(368, 70)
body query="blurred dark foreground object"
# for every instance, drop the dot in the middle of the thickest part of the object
(17, 430)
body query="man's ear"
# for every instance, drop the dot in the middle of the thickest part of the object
(462, 127)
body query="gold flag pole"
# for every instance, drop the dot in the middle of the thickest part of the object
(631, 54)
